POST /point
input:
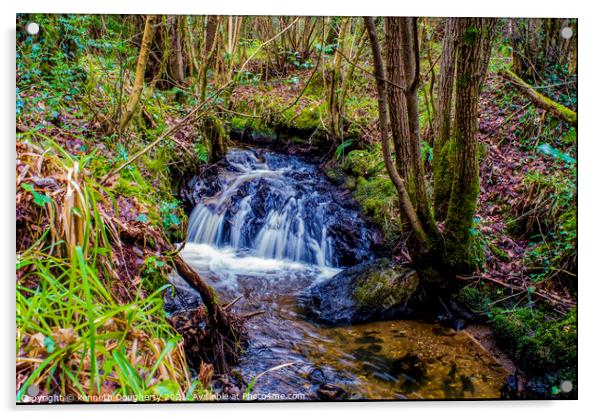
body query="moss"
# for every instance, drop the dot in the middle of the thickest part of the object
(503, 256)
(350, 183)
(385, 287)
(540, 344)
(363, 163)
(378, 199)
(472, 298)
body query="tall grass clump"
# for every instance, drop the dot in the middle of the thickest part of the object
(78, 334)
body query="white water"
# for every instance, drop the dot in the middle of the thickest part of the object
(228, 222)
(228, 262)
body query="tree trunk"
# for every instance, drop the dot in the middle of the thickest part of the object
(140, 69)
(398, 110)
(398, 181)
(442, 143)
(208, 51)
(411, 69)
(473, 57)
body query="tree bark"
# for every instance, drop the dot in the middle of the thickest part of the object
(140, 69)
(208, 51)
(398, 110)
(411, 70)
(473, 58)
(444, 117)
(398, 181)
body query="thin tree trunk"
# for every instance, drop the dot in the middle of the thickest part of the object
(398, 181)
(140, 69)
(208, 52)
(411, 74)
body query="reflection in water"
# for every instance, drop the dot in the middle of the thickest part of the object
(268, 254)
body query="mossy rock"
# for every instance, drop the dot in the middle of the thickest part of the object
(362, 163)
(375, 290)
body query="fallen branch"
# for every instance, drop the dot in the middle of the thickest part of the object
(555, 300)
(540, 100)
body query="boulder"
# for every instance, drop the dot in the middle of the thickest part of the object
(374, 290)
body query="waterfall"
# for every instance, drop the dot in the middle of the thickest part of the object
(266, 205)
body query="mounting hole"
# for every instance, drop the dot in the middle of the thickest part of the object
(566, 386)
(566, 32)
(32, 28)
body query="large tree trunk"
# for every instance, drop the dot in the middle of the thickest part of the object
(444, 118)
(140, 69)
(398, 110)
(473, 58)
(404, 74)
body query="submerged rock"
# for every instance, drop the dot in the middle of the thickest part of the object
(375, 290)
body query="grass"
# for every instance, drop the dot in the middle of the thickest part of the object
(80, 330)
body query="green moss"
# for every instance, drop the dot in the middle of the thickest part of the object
(363, 163)
(378, 199)
(540, 344)
(385, 287)
(503, 256)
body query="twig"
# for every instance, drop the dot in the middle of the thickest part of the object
(252, 314)
(515, 288)
(230, 304)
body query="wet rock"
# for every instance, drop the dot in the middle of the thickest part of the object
(316, 376)
(410, 365)
(375, 290)
(181, 296)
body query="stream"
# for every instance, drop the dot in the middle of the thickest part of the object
(265, 227)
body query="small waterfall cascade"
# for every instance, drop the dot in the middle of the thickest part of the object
(271, 206)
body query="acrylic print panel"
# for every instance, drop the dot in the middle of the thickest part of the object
(267, 208)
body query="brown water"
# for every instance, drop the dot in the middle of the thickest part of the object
(381, 360)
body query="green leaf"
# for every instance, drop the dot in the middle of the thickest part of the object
(38, 198)
(49, 344)
(167, 388)
(143, 218)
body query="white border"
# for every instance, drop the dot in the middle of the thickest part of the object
(590, 234)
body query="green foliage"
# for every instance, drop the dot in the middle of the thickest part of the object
(40, 199)
(74, 311)
(340, 150)
(154, 273)
(541, 344)
(170, 215)
(201, 151)
(548, 150)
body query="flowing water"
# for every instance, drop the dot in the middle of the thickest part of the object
(265, 228)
